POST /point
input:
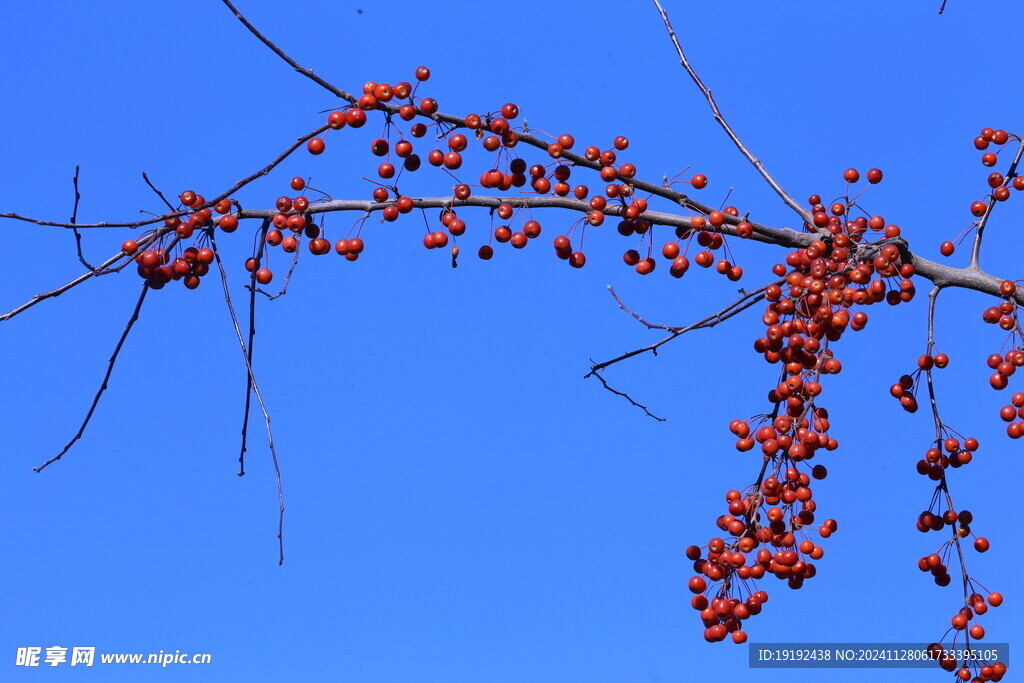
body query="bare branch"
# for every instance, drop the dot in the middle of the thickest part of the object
(780, 236)
(103, 384)
(743, 303)
(804, 214)
(259, 396)
(308, 73)
(160, 219)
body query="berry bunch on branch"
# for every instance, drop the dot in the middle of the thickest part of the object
(843, 261)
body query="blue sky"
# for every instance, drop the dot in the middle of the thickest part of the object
(462, 506)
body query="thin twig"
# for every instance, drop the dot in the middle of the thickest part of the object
(943, 484)
(103, 384)
(743, 303)
(259, 397)
(983, 221)
(804, 214)
(158, 192)
(74, 222)
(252, 333)
(308, 73)
(623, 306)
(284, 284)
(605, 384)
(177, 214)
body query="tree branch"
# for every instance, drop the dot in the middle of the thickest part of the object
(804, 214)
(308, 73)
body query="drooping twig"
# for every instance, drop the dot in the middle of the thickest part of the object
(103, 384)
(605, 384)
(804, 214)
(284, 284)
(259, 396)
(932, 296)
(252, 334)
(943, 484)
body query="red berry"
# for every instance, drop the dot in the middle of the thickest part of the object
(315, 145)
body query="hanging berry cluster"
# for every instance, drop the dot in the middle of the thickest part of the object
(809, 309)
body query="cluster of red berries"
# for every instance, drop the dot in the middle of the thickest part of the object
(154, 263)
(947, 658)
(903, 390)
(1004, 365)
(497, 134)
(809, 309)
(998, 184)
(950, 453)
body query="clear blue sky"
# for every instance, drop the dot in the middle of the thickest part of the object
(462, 506)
